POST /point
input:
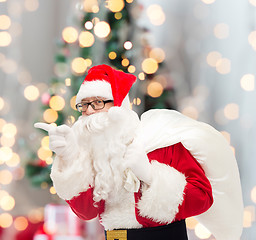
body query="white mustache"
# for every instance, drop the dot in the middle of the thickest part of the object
(94, 123)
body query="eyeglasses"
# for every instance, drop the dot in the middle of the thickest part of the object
(96, 105)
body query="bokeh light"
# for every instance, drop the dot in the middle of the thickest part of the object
(118, 15)
(45, 142)
(31, 5)
(131, 69)
(50, 115)
(36, 215)
(68, 82)
(73, 102)
(9, 130)
(253, 194)
(115, 5)
(156, 14)
(149, 65)
(88, 62)
(31, 93)
(231, 111)
(6, 220)
(128, 45)
(91, 6)
(213, 58)
(2, 123)
(248, 82)
(253, 2)
(9, 66)
(5, 177)
(57, 103)
(7, 141)
(191, 112)
(14, 161)
(136, 101)
(221, 30)
(5, 39)
(44, 153)
(249, 216)
(102, 29)
(44, 185)
(141, 76)
(49, 160)
(7, 203)
(158, 54)
(112, 55)
(3, 193)
(5, 22)
(20, 223)
(161, 79)
(252, 39)
(125, 62)
(86, 39)
(88, 25)
(223, 66)
(191, 223)
(52, 190)
(202, 232)
(79, 65)
(208, 1)
(5, 153)
(69, 34)
(1, 103)
(155, 89)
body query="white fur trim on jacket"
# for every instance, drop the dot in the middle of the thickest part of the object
(160, 201)
(71, 180)
(97, 88)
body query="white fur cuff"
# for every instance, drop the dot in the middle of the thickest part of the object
(96, 88)
(160, 200)
(72, 180)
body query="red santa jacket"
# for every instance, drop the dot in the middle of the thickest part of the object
(179, 190)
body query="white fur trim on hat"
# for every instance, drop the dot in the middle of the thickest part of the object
(126, 102)
(160, 201)
(96, 88)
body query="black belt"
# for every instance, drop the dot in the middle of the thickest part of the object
(173, 231)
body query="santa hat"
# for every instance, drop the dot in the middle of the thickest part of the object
(104, 81)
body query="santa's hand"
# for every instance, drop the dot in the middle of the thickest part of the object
(136, 159)
(62, 140)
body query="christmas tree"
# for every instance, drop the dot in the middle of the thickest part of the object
(103, 33)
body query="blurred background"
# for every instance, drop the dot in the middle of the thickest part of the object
(194, 56)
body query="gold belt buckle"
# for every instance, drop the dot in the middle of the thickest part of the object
(117, 235)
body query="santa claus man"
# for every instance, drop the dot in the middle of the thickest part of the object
(142, 178)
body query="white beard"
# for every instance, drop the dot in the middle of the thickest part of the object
(105, 136)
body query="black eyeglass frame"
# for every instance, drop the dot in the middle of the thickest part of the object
(91, 104)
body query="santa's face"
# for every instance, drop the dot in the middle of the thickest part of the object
(90, 110)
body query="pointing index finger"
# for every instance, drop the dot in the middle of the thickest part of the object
(45, 126)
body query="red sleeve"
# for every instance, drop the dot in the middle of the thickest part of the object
(84, 206)
(198, 192)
